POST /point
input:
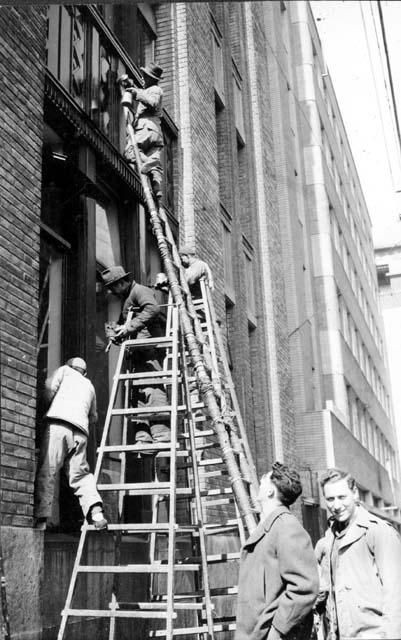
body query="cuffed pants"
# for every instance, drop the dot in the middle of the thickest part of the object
(64, 446)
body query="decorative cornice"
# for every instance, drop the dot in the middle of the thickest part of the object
(84, 128)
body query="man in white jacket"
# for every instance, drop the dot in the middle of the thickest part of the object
(71, 413)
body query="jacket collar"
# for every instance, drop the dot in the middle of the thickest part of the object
(356, 530)
(265, 525)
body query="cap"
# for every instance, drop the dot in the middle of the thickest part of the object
(77, 363)
(187, 250)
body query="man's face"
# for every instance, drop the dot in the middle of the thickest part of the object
(341, 501)
(184, 260)
(119, 288)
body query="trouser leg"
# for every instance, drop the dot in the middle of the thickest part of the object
(54, 450)
(81, 480)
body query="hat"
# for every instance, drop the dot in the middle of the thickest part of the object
(77, 363)
(152, 70)
(113, 274)
(187, 250)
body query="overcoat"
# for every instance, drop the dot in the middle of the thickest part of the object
(367, 589)
(278, 581)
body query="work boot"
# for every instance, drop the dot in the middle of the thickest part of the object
(97, 518)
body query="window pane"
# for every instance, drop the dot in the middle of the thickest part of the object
(250, 291)
(95, 67)
(228, 263)
(78, 58)
(52, 42)
(104, 90)
(65, 48)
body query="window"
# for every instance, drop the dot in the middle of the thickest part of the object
(218, 65)
(250, 290)
(238, 107)
(228, 262)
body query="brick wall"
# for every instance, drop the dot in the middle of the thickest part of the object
(23, 38)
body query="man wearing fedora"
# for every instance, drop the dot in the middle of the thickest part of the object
(147, 125)
(146, 323)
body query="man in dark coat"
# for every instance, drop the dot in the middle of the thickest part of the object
(145, 323)
(278, 581)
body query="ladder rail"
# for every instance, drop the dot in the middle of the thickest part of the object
(123, 465)
(173, 482)
(198, 500)
(233, 395)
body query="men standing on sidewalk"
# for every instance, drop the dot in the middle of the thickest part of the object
(278, 581)
(71, 414)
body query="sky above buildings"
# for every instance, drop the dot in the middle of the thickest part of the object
(354, 52)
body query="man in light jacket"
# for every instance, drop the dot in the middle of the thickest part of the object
(71, 413)
(364, 566)
(278, 581)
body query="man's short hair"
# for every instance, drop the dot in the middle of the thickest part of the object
(334, 475)
(287, 481)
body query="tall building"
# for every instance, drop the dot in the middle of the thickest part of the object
(342, 403)
(388, 265)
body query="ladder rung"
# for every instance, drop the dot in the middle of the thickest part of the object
(156, 410)
(138, 488)
(148, 342)
(144, 375)
(199, 434)
(145, 446)
(145, 411)
(218, 627)
(216, 558)
(162, 605)
(156, 567)
(137, 528)
(187, 491)
(210, 462)
(114, 613)
(219, 591)
(215, 503)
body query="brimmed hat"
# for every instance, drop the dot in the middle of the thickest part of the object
(152, 70)
(114, 274)
(187, 250)
(77, 363)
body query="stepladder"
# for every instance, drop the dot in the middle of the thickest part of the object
(174, 536)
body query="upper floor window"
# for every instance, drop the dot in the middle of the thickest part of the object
(238, 106)
(218, 64)
(228, 257)
(250, 287)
